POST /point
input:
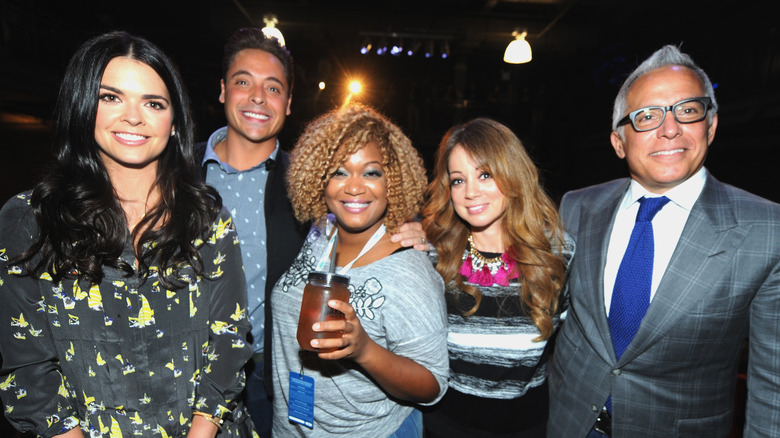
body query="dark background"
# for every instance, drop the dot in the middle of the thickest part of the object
(559, 104)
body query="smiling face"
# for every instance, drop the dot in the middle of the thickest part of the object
(475, 195)
(256, 97)
(134, 118)
(670, 154)
(357, 192)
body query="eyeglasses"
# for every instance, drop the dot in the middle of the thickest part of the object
(685, 111)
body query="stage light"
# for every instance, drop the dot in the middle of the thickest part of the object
(428, 49)
(270, 30)
(381, 49)
(366, 47)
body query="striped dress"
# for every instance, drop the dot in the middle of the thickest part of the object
(498, 373)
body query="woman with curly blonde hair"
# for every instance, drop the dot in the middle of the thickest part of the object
(503, 255)
(354, 174)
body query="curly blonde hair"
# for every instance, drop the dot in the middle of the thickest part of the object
(329, 140)
(533, 232)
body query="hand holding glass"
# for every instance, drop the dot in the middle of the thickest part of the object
(321, 287)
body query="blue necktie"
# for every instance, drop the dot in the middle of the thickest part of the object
(631, 295)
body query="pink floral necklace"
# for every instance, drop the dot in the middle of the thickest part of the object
(484, 271)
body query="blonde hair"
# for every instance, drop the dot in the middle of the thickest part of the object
(330, 139)
(533, 233)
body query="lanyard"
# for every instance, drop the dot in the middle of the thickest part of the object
(325, 258)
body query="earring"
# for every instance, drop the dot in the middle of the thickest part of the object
(173, 132)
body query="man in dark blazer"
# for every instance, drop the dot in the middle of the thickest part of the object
(246, 164)
(715, 279)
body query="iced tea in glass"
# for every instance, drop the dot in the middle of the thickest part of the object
(321, 287)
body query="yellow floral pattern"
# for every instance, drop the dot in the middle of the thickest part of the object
(125, 357)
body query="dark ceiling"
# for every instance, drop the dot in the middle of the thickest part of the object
(559, 104)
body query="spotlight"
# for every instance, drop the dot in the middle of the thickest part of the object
(366, 47)
(397, 48)
(382, 47)
(445, 50)
(413, 49)
(428, 49)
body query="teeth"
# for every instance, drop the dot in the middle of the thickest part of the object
(355, 204)
(128, 136)
(672, 152)
(256, 116)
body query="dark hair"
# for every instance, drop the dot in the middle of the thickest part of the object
(82, 224)
(254, 38)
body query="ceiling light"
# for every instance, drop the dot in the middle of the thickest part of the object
(270, 30)
(518, 51)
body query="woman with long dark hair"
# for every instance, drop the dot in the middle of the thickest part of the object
(123, 293)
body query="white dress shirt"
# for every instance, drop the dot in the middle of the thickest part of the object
(668, 225)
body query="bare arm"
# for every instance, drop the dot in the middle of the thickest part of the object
(202, 428)
(400, 376)
(73, 433)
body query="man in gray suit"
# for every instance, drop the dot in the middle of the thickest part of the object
(713, 279)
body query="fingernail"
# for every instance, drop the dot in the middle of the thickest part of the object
(316, 326)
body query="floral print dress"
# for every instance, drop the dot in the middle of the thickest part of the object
(125, 357)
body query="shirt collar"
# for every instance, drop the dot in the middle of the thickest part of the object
(684, 194)
(220, 135)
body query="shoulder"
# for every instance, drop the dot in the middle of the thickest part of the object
(567, 249)
(200, 152)
(596, 192)
(16, 211)
(17, 225)
(725, 204)
(409, 269)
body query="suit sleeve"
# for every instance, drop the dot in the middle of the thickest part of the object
(763, 404)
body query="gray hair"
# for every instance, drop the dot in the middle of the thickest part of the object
(666, 55)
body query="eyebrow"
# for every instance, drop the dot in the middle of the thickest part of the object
(245, 72)
(145, 96)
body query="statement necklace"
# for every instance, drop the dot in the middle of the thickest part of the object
(484, 271)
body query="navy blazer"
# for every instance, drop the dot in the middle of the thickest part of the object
(678, 376)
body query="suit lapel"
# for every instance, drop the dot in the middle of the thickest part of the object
(595, 229)
(710, 230)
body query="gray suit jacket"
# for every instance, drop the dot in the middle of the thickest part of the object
(677, 377)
